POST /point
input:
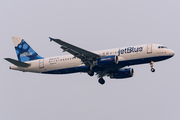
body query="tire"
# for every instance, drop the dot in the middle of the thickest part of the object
(152, 70)
(101, 81)
(90, 73)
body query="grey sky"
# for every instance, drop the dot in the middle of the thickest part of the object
(92, 25)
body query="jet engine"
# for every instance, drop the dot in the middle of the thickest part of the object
(122, 73)
(108, 60)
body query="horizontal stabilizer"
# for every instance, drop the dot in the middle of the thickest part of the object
(17, 63)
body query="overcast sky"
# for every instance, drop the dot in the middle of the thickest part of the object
(92, 25)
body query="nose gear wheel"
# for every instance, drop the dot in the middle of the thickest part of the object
(151, 64)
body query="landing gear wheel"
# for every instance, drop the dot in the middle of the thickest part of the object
(152, 70)
(101, 81)
(90, 73)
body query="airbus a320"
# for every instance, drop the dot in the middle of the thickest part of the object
(113, 63)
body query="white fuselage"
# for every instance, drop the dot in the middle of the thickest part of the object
(127, 56)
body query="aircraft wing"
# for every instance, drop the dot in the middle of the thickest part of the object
(86, 57)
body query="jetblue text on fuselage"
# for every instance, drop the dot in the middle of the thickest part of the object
(130, 50)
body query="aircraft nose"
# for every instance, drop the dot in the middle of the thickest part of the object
(171, 52)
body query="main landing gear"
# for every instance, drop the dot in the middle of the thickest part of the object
(152, 69)
(101, 81)
(90, 73)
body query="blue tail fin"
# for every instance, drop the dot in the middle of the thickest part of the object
(24, 51)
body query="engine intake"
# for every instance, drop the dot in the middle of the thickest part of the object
(122, 73)
(108, 60)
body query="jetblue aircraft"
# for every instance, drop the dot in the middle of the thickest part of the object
(112, 62)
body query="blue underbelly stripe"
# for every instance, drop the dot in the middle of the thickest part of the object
(125, 63)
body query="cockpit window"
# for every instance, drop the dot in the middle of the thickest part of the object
(162, 47)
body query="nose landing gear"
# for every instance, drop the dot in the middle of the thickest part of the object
(152, 69)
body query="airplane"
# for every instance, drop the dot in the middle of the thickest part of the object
(113, 63)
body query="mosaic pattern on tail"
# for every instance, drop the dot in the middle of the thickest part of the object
(25, 52)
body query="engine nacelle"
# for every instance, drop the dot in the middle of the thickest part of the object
(108, 60)
(122, 73)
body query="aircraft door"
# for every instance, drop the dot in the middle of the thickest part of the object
(41, 63)
(149, 48)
